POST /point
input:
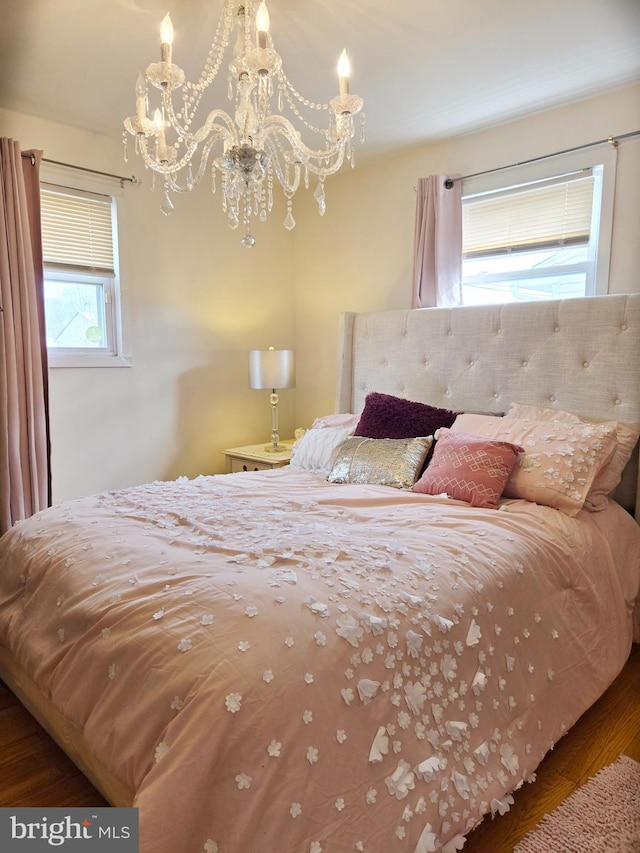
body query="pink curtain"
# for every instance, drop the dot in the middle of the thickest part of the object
(25, 480)
(437, 260)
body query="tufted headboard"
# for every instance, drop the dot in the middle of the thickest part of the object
(580, 355)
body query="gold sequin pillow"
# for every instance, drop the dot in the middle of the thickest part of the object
(393, 462)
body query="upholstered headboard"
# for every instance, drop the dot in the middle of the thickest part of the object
(580, 355)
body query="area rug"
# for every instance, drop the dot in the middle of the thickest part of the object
(602, 815)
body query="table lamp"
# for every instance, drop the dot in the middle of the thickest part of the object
(272, 368)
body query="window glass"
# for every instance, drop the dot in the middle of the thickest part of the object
(535, 274)
(75, 315)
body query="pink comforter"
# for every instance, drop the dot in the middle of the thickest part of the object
(268, 662)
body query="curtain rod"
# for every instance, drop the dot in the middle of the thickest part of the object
(121, 178)
(611, 140)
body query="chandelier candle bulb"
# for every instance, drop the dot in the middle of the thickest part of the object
(262, 24)
(344, 69)
(141, 97)
(162, 144)
(166, 38)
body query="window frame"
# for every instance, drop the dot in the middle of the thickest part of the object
(602, 164)
(111, 355)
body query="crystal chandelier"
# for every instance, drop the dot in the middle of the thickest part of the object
(252, 146)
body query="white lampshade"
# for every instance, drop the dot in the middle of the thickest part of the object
(272, 368)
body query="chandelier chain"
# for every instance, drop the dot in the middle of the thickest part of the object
(292, 89)
(218, 47)
(287, 89)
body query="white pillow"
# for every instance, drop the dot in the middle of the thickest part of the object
(316, 449)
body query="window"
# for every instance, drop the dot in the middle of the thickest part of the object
(545, 236)
(80, 277)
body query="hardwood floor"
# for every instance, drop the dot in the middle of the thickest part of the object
(35, 772)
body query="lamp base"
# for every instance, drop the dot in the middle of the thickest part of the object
(279, 448)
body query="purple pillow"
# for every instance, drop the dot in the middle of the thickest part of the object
(385, 416)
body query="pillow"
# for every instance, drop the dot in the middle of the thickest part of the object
(393, 462)
(538, 413)
(316, 449)
(560, 460)
(609, 477)
(334, 421)
(468, 468)
(385, 416)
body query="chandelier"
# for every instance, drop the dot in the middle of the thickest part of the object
(253, 145)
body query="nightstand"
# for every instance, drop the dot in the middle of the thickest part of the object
(254, 457)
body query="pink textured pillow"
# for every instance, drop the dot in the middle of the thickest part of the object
(560, 462)
(609, 476)
(468, 468)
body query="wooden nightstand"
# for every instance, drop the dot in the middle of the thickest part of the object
(254, 457)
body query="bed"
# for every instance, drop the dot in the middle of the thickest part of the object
(306, 661)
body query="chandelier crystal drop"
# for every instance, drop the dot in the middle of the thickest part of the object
(253, 145)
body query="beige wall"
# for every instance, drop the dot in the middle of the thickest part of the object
(358, 257)
(194, 302)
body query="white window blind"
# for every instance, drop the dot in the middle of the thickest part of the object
(548, 214)
(77, 230)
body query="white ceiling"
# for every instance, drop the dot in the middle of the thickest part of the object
(427, 69)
